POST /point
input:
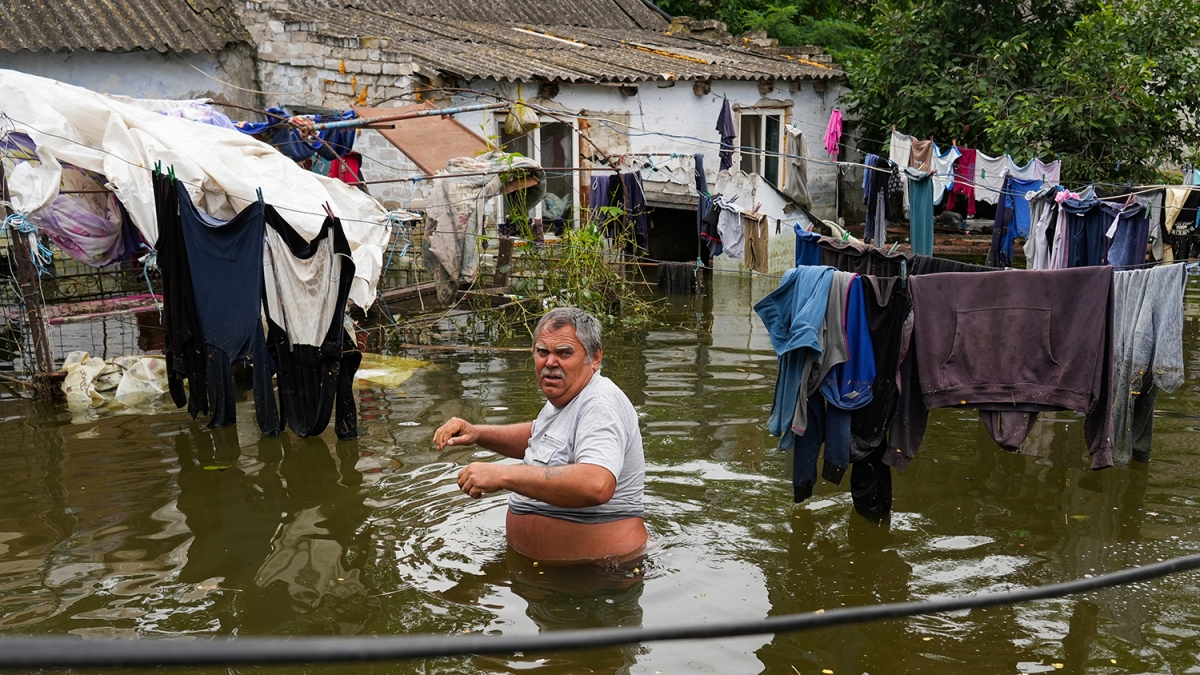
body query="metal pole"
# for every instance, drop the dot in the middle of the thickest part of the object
(432, 112)
(44, 383)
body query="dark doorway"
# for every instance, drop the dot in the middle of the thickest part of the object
(673, 234)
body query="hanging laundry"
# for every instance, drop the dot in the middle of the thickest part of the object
(811, 424)
(1086, 224)
(989, 177)
(808, 248)
(729, 227)
(922, 155)
(347, 168)
(875, 197)
(183, 343)
(1048, 172)
(900, 152)
(1027, 172)
(454, 215)
(703, 201)
(1019, 192)
(888, 311)
(1060, 247)
(1148, 353)
(796, 185)
(226, 259)
(964, 181)
(869, 180)
(1153, 203)
(846, 386)
(86, 221)
(755, 227)
(636, 211)
(920, 192)
(964, 356)
(833, 133)
(1128, 234)
(306, 284)
(281, 133)
(943, 170)
(728, 133)
(793, 315)
(1044, 213)
(860, 258)
(710, 231)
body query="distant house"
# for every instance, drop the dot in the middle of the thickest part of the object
(621, 73)
(159, 49)
(623, 80)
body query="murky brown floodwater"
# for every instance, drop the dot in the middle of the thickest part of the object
(123, 525)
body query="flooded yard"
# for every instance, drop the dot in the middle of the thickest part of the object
(149, 525)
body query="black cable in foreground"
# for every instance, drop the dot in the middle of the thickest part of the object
(57, 652)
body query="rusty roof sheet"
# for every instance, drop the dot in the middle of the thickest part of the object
(430, 142)
(119, 25)
(523, 51)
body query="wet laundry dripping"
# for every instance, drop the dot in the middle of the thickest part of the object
(304, 301)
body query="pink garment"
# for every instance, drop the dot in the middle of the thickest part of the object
(964, 181)
(833, 133)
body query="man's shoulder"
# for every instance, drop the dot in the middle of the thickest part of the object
(602, 390)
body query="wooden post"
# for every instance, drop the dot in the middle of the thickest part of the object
(45, 383)
(503, 262)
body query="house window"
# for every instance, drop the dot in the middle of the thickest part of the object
(552, 145)
(760, 143)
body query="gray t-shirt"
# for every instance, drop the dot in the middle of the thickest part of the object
(599, 426)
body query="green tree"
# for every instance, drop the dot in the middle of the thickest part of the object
(834, 26)
(1101, 83)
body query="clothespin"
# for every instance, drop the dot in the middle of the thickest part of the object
(158, 168)
(328, 210)
(259, 192)
(171, 172)
(1118, 166)
(903, 272)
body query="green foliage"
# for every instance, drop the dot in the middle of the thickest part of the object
(842, 39)
(1098, 82)
(835, 26)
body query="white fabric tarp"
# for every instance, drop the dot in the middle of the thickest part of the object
(123, 141)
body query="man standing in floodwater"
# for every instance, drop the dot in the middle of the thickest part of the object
(578, 493)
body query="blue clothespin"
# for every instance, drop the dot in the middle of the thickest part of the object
(903, 272)
(1118, 166)
(260, 197)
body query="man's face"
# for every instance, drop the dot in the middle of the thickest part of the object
(559, 359)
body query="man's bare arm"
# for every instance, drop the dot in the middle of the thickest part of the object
(571, 486)
(509, 440)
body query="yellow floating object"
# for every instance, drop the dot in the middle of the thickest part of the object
(379, 370)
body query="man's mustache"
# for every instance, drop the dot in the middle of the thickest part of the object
(553, 372)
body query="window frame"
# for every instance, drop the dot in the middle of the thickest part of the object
(535, 140)
(758, 154)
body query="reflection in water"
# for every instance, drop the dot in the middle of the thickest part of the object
(149, 525)
(231, 515)
(323, 515)
(564, 598)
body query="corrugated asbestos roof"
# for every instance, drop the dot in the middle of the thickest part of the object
(615, 48)
(588, 13)
(119, 25)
